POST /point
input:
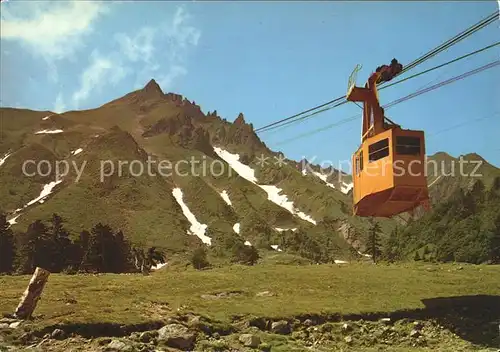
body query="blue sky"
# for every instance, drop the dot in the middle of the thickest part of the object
(268, 60)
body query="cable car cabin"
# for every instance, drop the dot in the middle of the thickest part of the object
(389, 174)
(389, 167)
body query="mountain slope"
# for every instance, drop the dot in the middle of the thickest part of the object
(446, 174)
(463, 228)
(167, 174)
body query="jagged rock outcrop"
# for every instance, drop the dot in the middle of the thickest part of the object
(183, 133)
(240, 120)
(170, 126)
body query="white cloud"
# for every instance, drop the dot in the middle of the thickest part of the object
(173, 39)
(183, 33)
(140, 47)
(54, 31)
(103, 70)
(59, 105)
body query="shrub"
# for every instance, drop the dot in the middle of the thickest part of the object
(199, 258)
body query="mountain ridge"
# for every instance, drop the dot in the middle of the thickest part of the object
(249, 202)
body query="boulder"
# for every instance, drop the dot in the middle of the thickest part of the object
(148, 336)
(57, 334)
(250, 340)
(308, 322)
(117, 345)
(15, 325)
(281, 327)
(414, 333)
(177, 336)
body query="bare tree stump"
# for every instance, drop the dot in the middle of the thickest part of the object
(32, 294)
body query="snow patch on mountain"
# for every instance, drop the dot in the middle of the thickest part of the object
(225, 196)
(276, 247)
(364, 255)
(46, 191)
(48, 131)
(236, 227)
(158, 266)
(279, 229)
(346, 187)
(233, 160)
(13, 221)
(2, 159)
(196, 228)
(273, 192)
(76, 152)
(323, 178)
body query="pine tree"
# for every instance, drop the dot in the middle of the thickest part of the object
(34, 249)
(477, 191)
(416, 257)
(78, 250)
(99, 254)
(390, 249)
(243, 254)
(60, 244)
(344, 208)
(7, 246)
(374, 241)
(156, 256)
(121, 256)
(495, 188)
(145, 260)
(496, 183)
(199, 258)
(495, 242)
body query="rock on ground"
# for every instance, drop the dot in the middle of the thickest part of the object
(281, 327)
(250, 340)
(117, 345)
(177, 336)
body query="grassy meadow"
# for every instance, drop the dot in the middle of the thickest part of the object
(291, 291)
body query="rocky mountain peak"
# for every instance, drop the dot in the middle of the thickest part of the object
(240, 120)
(152, 88)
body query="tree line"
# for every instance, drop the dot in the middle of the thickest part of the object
(50, 246)
(465, 228)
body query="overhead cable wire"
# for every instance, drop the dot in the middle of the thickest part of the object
(448, 81)
(487, 117)
(442, 65)
(481, 24)
(395, 102)
(386, 86)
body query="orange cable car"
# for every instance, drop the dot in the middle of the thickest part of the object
(389, 166)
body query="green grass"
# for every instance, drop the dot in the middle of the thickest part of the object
(310, 289)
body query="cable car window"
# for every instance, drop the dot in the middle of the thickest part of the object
(361, 161)
(378, 150)
(407, 145)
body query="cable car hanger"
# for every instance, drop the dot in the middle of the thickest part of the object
(449, 43)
